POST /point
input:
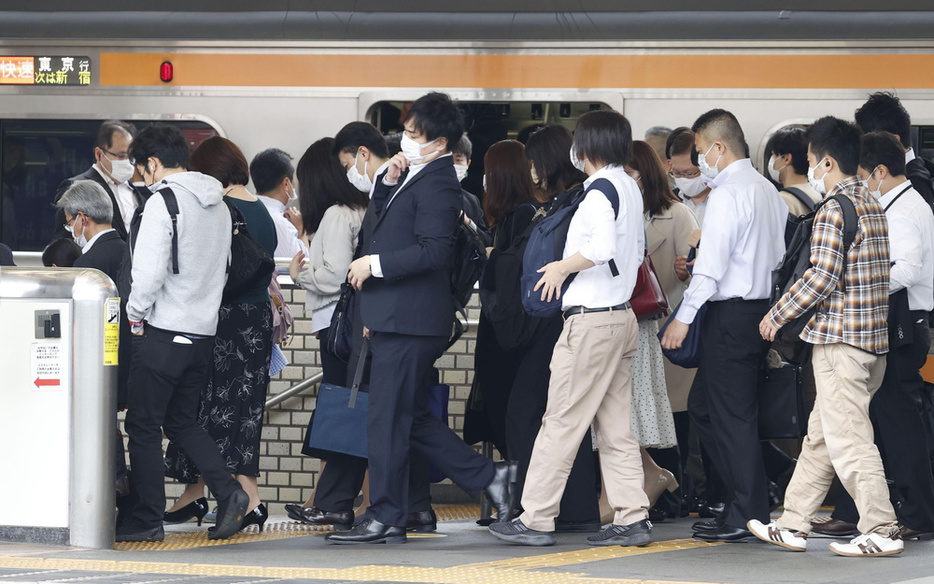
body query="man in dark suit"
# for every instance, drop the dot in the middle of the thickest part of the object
(112, 170)
(407, 311)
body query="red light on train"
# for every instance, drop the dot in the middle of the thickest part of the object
(166, 71)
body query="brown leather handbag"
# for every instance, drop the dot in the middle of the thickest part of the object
(648, 299)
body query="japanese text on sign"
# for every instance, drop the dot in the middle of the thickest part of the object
(45, 71)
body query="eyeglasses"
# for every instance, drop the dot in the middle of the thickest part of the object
(689, 174)
(116, 156)
(70, 222)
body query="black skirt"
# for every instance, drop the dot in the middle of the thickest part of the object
(233, 400)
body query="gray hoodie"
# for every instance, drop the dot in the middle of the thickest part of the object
(186, 302)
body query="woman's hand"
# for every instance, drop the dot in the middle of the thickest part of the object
(297, 265)
(553, 276)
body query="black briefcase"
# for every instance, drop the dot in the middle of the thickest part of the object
(782, 412)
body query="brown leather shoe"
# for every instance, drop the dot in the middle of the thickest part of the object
(342, 520)
(834, 528)
(905, 532)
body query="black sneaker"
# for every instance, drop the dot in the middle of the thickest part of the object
(129, 533)
(636, 534)
(516, 532)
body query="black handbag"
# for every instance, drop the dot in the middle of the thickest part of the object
(250, 263)
(340, 423)
(782, 409)
(340, 331)
(689, 353)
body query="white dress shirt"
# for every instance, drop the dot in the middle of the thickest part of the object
(909, 155)
(90, 243)
(741, 244)
(911, 245)
(123, 192)
(286, 233)
(598, 237)
(699, 209)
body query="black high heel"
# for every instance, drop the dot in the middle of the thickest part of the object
(197, 508)
(257, 516)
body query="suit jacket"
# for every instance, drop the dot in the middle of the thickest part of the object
(92, 174)
(6, 256)
(917, 172)
(472, 209)
(414, 238)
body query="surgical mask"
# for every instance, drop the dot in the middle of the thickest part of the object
(774, 172)
(360, 181)
(81, 240)
(412, 150)
(876, 194)
(706, 169)
(691, 187)
(121, 170)
(817, 184)
(290, 191)
(461, 171)
(577, 162)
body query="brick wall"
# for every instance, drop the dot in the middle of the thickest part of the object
(286, 475)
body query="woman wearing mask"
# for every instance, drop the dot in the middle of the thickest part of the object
(659, 387)
(233, 401)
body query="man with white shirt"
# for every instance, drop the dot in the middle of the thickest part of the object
(112, 170)
(743, 240)
(692, 186)
(273, 178)
(894, 409)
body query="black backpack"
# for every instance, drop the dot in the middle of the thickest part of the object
(171, 205)
(792, 222)
(797, 259)
(469, 260)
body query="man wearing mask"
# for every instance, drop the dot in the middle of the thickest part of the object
(742, 241)
(473, 214)
(692, 186)
(273, 178)
(405, 302)
(112, 170)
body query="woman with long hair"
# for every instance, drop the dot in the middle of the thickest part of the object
(233, 402)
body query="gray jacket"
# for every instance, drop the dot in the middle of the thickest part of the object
(186, 302)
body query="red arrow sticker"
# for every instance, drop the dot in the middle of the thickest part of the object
(47, 382)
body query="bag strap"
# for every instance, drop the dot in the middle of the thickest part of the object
(897, 197)
(171, 205)
(609, 191)
(850, 227)
(801, 196)
(358, 374)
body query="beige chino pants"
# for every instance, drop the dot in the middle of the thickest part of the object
(590, 383)
(840, 440)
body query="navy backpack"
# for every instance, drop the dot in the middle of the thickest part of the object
(546, 245)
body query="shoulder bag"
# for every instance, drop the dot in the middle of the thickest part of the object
(250, 264)
(648, 299)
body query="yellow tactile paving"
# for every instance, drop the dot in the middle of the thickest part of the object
(591, 555)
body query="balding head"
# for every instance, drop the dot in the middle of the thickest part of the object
(719, 125)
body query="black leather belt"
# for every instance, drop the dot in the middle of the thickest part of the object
(584, 310)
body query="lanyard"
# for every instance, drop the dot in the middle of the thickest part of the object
(892, 202)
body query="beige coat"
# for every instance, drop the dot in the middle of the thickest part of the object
(667, 237)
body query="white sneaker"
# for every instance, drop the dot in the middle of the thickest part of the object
(786, 538)
(869, 544)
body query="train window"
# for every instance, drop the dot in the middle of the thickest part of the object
(36, 156)
(490, 122)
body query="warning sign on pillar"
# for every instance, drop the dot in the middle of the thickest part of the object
(111, 331)
(46, 365)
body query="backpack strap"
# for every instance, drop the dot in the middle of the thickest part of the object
(850, 227)
(607, 188)
(801, 196)
(171, 205)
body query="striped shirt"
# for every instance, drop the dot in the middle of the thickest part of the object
(856, 313)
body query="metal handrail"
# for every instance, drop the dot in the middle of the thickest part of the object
(294, 390)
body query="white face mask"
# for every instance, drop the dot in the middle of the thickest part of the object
(81, 240)
(290, 191)
(412, 150)
(577, 162)
(877, 194)
(360, 180)
(817, 184)
(461, 170)
(691, 187)
(706, 169)
(121, 170)
(774, 172)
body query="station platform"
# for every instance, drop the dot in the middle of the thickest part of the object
(461, 552)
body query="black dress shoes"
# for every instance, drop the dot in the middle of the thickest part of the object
(707, 524)
(710, 510)
(500, 491)
(724, 533)
(368, 531)
(422, 522)
(318, 516)
(230, 515)
(129, 533)
(197, 509)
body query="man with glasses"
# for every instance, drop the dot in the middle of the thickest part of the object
(112, 170)
(682, 166)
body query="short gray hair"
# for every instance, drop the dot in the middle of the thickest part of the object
(660, 131)
(89, 198)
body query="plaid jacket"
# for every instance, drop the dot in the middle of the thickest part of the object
(857, 313)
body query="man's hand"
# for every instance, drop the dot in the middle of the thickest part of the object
(553, 276)
(767, 329)
(674, 335)
(359, 272)
(681, 268)
(295, 217)
(366, 333)
(397, 165)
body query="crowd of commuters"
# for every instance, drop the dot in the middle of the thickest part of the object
(598, 431)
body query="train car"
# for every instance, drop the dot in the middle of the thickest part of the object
(293, 72)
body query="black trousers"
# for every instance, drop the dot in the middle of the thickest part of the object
(895, 412)
(399, 419)
(342, 479)
(724, 407)
(523, 419)
(166, 380)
